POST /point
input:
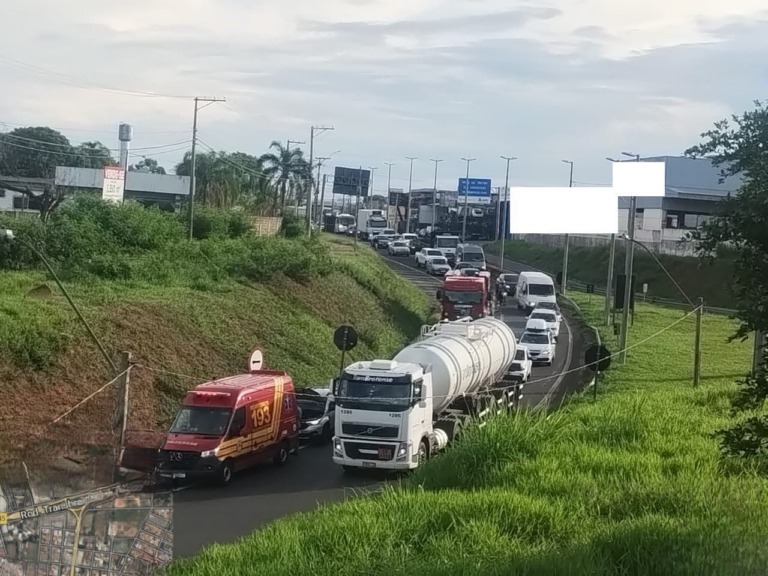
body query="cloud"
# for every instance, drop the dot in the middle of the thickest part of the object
(541, 80)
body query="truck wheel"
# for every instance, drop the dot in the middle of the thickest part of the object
(282, 454)
(423, 453)
(225, 475)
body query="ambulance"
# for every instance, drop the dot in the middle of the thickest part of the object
(229, 424)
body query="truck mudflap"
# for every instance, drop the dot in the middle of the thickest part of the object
(139, 450)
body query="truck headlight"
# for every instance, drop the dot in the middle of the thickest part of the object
(209, 453)
(402, 451)
(337, 449)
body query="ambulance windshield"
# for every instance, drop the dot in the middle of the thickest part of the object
(203, 420)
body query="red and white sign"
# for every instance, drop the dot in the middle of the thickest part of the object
(114, 184)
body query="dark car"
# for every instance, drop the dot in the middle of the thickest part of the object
(507, 283)
(317, 414)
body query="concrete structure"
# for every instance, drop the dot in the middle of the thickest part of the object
(125, 135)
(692, 194)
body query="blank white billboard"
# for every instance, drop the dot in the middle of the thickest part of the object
(565, 210)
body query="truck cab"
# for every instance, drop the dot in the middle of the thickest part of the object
(381, 406)
(447, 244)
(463, 296)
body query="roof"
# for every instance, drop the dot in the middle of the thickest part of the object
(537, 275)
(242, 382)
(694, 178)
(456, 280)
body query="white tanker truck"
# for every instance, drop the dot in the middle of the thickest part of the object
(394, 414)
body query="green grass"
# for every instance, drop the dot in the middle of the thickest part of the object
(590, 265)
(629, 485)
(189, 326)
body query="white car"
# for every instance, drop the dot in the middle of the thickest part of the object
(550, 317)
(425, 254)
(521, 366)
(399, 248)
(550, 306)
(540, 343)
(437, 265)
(377, 233)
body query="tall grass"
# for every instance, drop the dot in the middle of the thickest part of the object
(629, 485)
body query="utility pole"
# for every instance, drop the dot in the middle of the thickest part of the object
(318, 212)
(389, 187)
(628, 263)
(370, 185)
(466, 200)
(697, 345)
(498, 213)
(322, 200)
(609, 281)
(410, 187)
(359, 192)
(434, 193)
(758, 353)
(567, 240)
(288, 146)
(504, 218)
(312, 130)
(123, 395)
(193, 177)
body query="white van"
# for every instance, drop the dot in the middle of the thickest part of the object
(532, 288)
(471, 254)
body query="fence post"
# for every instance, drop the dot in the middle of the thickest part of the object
(697, 345)
(123, 394)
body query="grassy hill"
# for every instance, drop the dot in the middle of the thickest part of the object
(589, 265)
(186, 311)
(630, 484)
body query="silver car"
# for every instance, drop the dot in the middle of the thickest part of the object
(437, 265)
(318, 414)
(399, 248)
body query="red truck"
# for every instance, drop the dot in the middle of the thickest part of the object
(465, 295)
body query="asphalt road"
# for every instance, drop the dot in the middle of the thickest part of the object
(545, 380)
(204, 515)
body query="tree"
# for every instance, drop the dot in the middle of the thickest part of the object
(93, 155)
(287, 169)
(148, 165)
(740, 147)
(35, 152)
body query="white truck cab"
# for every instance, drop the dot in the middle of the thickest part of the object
(381, 408)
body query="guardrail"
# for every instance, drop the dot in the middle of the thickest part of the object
(493, 260)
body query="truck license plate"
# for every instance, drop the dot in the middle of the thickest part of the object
(369, 464)
(179, 475)
(385, 454)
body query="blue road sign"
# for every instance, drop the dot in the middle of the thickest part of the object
(479, 190)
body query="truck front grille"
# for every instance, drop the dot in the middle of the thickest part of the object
(370, 431)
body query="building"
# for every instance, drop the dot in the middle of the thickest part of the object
(693, 191)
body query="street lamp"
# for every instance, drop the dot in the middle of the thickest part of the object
(312, 131)
(389, 188)
(8, 235)
(506, 209)
(567, 239)
(410, 187)
(466, 200)
(370, 184)
(434, 194)
(628, 265)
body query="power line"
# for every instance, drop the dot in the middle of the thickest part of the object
(76, 83)
(4, 142)
(75, 145)
(16, 125)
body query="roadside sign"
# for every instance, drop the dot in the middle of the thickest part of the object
(479, 191)
(598, 358)
(256, 362)
(113, 188)
(345, 338)
(3, 518)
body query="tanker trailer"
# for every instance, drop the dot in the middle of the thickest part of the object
(394, 414)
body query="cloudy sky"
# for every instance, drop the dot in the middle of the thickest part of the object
(542, 80)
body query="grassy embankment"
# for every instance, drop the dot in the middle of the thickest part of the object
(631, 484)
(186, 311)
(589, 265)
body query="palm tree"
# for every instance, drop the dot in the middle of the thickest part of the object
(286, 168)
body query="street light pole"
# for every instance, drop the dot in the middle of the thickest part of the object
(193, 160)
(628, 264)
(504, 218)
(434, 193)
(370, 185)
(410, 187)
(312, 130)
(466, 200)
(567, 240)
(389, 187)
